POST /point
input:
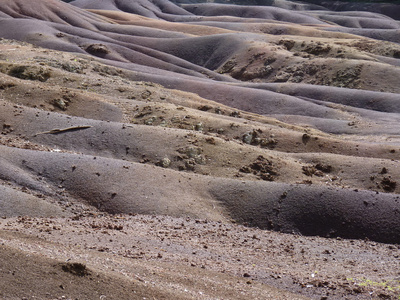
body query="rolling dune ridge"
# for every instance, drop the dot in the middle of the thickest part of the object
(252, 147)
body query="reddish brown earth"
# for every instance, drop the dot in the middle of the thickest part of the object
(166, 150)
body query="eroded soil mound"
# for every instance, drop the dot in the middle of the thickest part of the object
(283, 117)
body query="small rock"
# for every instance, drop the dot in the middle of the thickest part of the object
(198, 127)
(205, 108)
(247, 138)
(190, 164)
(75, 269)
(150, 121)
(384, 171)
(60, 103)
(97, 49)
(305, 138)
(388, 185)
(235, 114)
(165, 162)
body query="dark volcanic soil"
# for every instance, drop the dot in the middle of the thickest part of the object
(161, 150)
(164, 257)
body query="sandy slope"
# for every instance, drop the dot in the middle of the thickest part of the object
(283, 117)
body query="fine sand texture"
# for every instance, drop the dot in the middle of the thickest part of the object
(184, 150)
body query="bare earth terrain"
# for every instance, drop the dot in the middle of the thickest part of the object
(176, 150)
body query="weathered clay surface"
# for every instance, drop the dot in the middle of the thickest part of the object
(223, 133)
